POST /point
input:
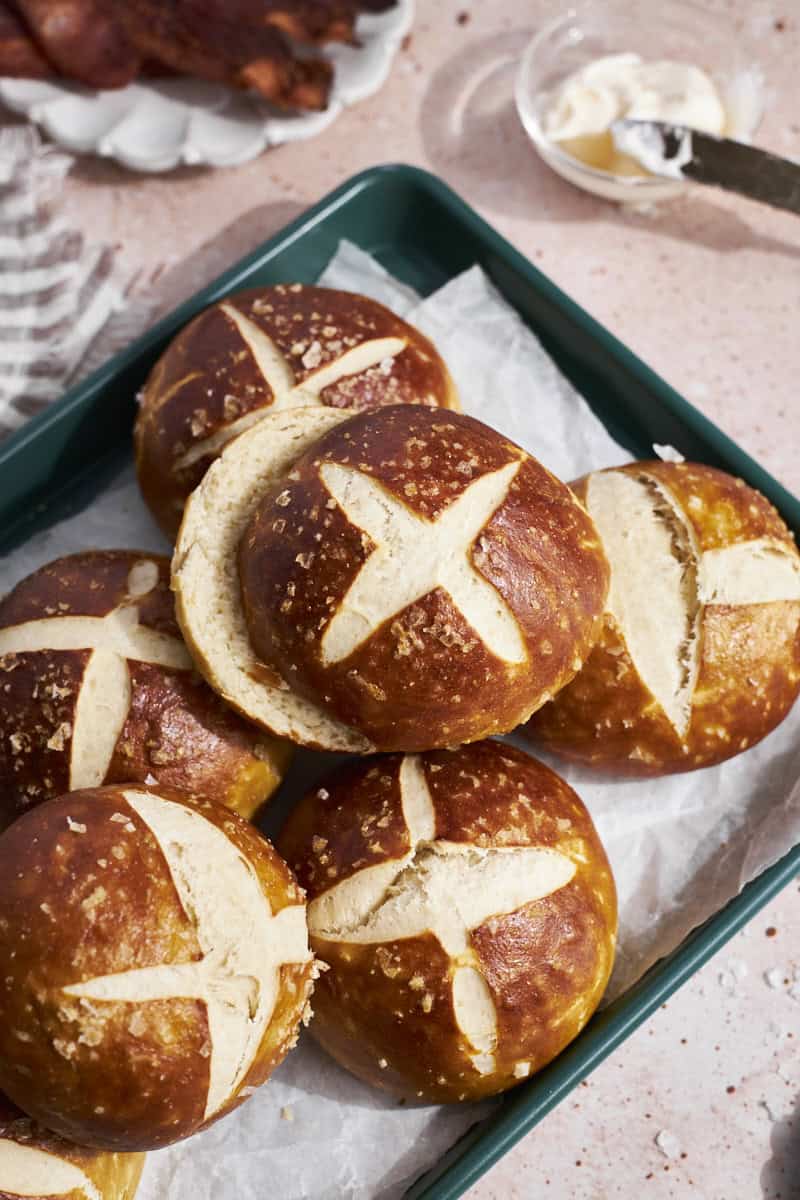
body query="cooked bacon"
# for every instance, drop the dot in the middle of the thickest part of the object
(82, 41)
(314, 21)
(19, 54)
(243, 43)
(222, 40)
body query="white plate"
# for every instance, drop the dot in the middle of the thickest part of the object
(156, 126)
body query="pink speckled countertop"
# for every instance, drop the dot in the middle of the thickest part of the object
(699, 1102)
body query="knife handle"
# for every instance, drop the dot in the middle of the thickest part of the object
(745, 170)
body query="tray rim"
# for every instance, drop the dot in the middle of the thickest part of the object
(167, 326)
(483, 1145)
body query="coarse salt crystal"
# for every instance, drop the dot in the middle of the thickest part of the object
(668, 453)
(668, 1144)
(733, 972)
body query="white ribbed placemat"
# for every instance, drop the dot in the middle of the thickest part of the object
(57, 289)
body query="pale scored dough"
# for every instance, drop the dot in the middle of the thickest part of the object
(413, 556)
(104, 698)
(28, 1171)
(244, 946)
(660, 581)
(278, 374)
(444, 888)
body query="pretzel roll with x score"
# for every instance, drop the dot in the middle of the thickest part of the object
(407, 579)
(154, 960)
(268, 350)
(422, 578)
(699, 657)
(40, 1165)
(97, 686)
(467, 913)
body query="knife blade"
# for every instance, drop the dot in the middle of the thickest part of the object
(678, 152)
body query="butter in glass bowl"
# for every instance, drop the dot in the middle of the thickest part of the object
(603, 60)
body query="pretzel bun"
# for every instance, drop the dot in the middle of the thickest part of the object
(521, 553)
(700, 653)
(98, 687)
(271, 349)
(421, 578)
(155, 964)
(40, 1165)
(467, 912)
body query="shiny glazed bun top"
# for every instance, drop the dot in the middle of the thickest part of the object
(264, 351)
(423, 579)
(466, 909)
(699, 657)
(154, 964)
(97, 686)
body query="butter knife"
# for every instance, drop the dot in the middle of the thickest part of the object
(678, 152)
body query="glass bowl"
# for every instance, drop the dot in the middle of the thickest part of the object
(591, 29)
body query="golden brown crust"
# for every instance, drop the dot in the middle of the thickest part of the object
(424, 676)
(749, 654)
(114, 1176)
(118, 1074)
(177, 731)
(208, 377)
(385, 1010)
(144, 925)
(720, 508)
(381, 833)
(180, 733)
(90, 583)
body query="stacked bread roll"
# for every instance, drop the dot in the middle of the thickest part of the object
(466, 909)
(266, 351)
(358, 567)
(99, 687)
(371, 575)
(699, 657)
(180, 972)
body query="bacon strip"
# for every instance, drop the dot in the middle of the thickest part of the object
(222, 40)
(19, 55)
(243, 43)
(82, 40)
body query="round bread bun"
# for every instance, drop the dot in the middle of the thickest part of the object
(467, 912)
(98, 687)
(39, 1165)
(266, 350)
(424, 580)
(700, 653)
(525, 560)
(155, 964)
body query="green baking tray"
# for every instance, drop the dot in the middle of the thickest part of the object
(423, 233)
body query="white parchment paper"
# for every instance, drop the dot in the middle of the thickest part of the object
(680, 847)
